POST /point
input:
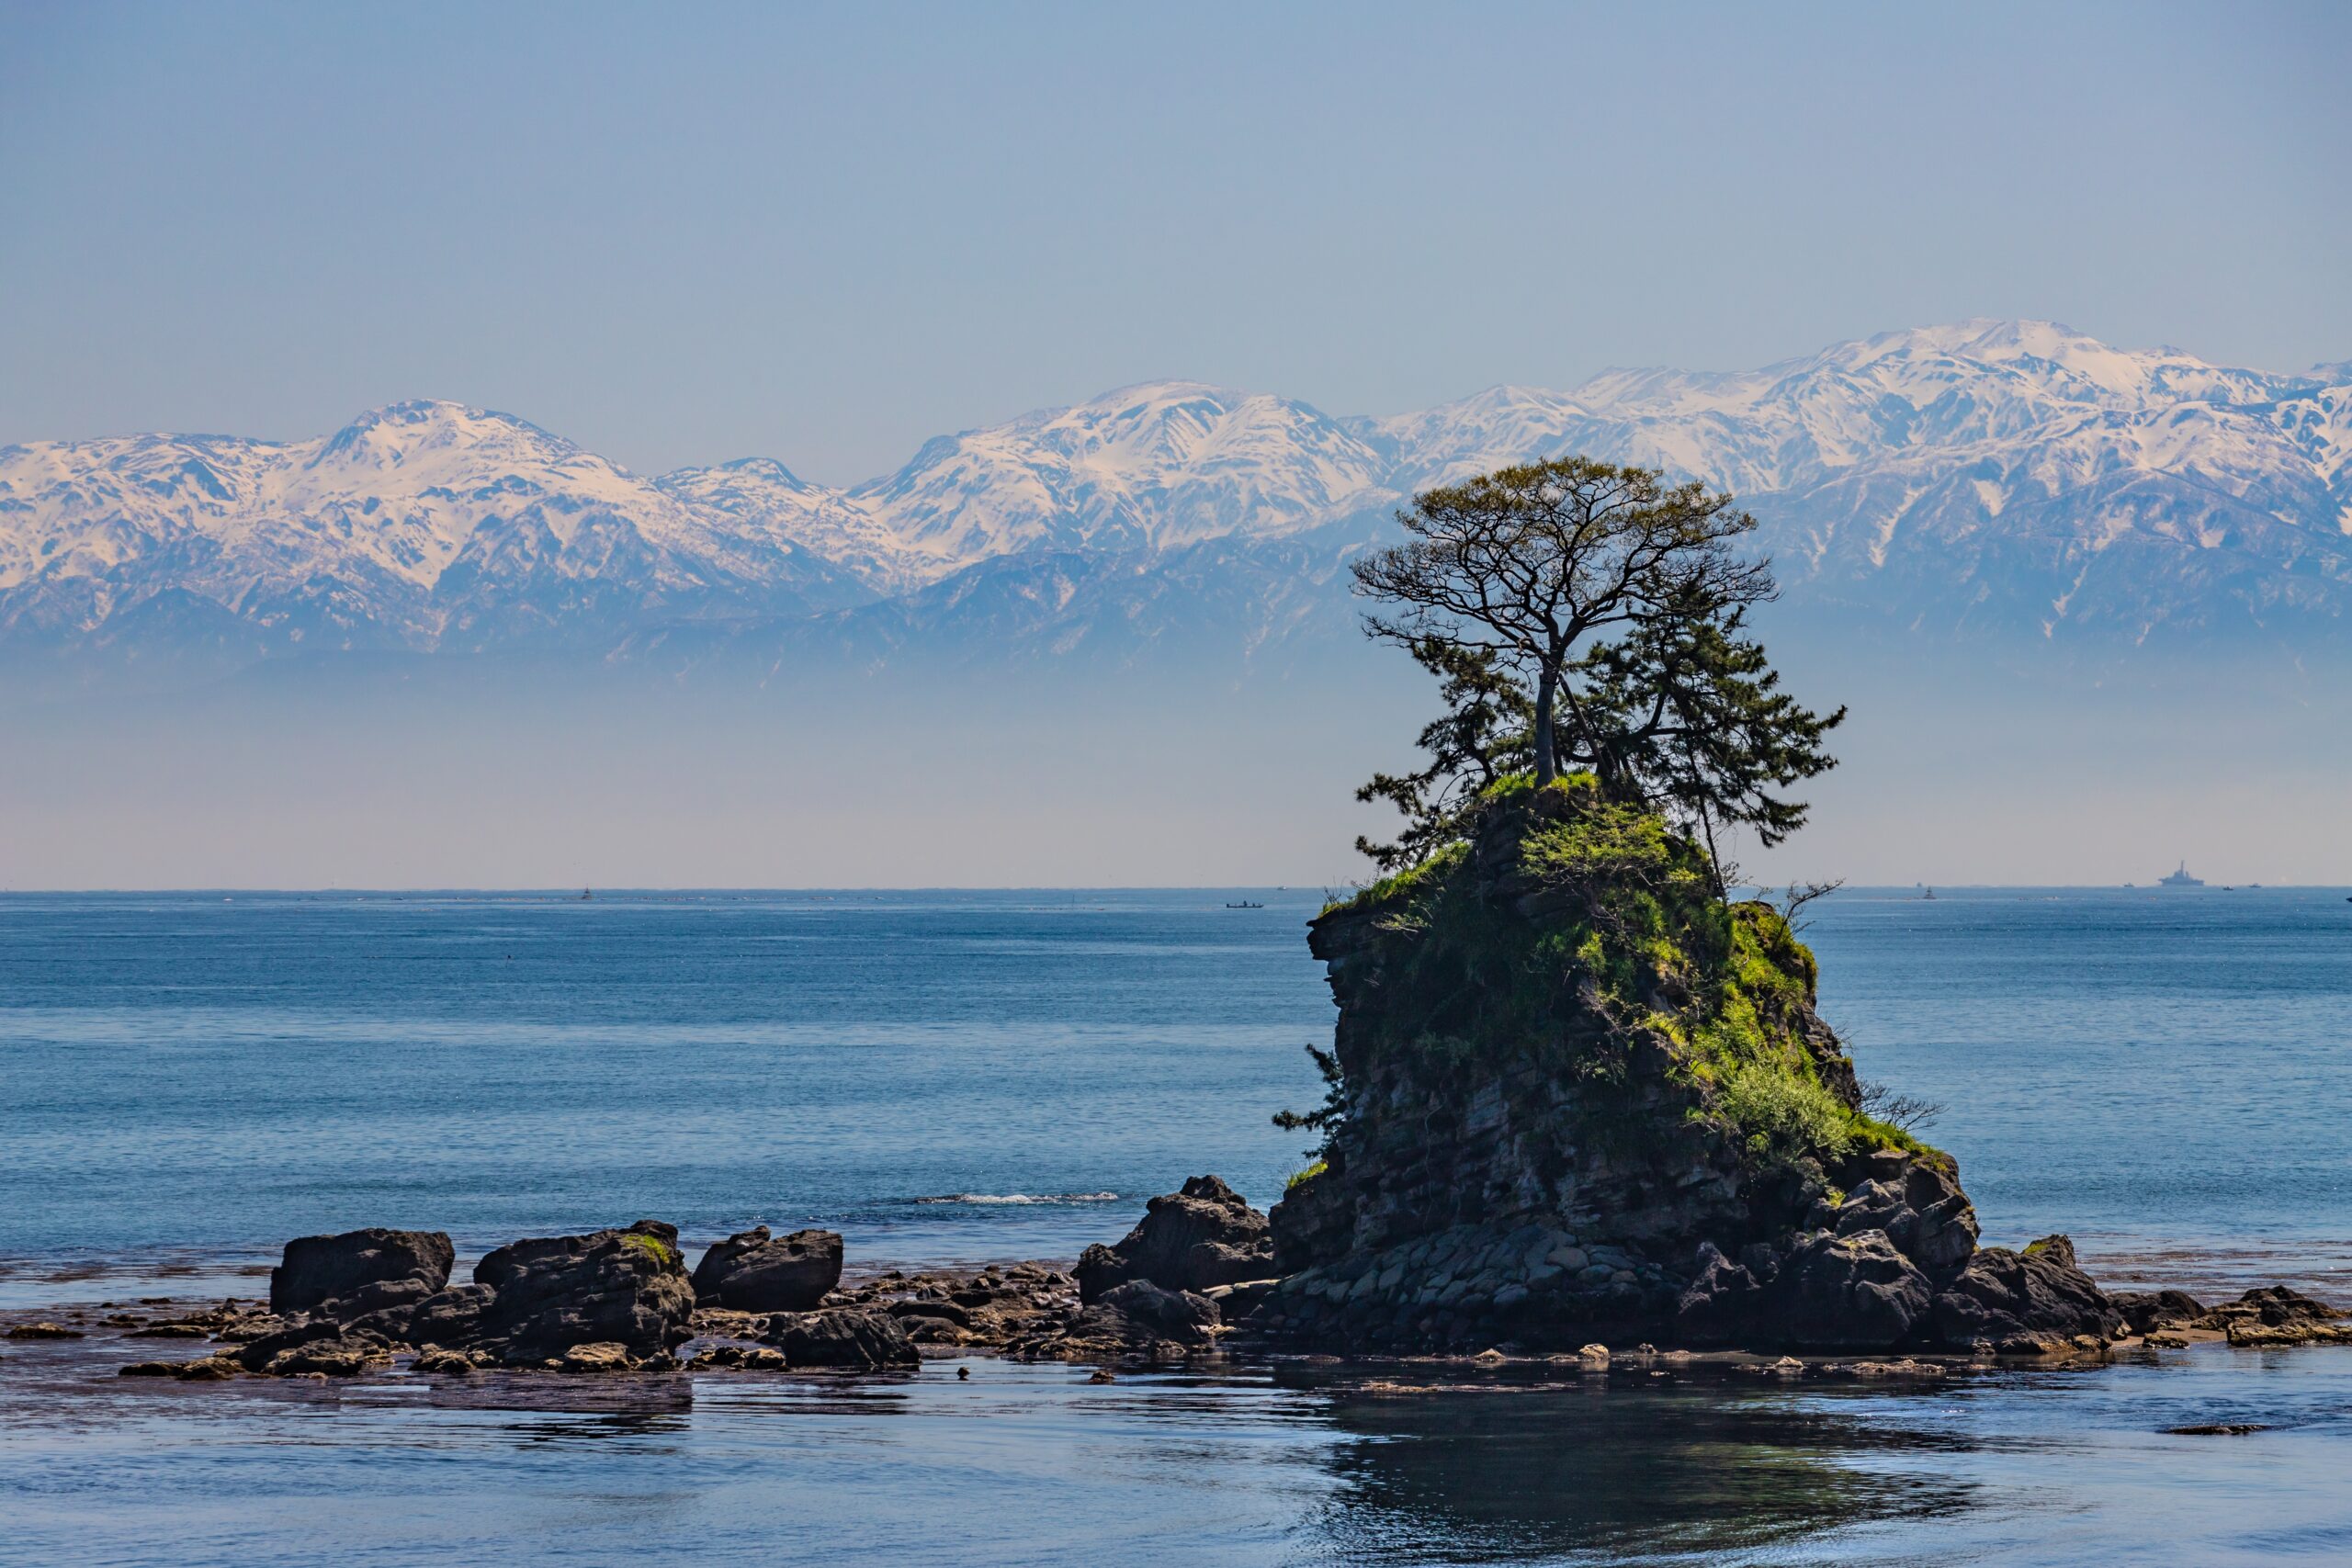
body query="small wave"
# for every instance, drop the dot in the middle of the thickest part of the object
(991, 1199)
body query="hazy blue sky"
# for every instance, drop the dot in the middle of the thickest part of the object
(826, 233)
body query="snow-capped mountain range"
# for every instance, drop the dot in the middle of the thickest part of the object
(1994, 475)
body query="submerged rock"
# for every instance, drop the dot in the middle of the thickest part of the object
(754, 1272)
(319, 1269)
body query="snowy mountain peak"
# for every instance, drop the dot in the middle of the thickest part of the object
(400, 435)
(1984, 470)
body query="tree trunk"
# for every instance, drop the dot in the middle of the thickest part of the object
(1547, 689)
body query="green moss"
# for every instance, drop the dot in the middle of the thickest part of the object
(1308, 1174)
(1609, 927)
(653, 1246)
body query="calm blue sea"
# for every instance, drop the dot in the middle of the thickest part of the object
(185, 1081)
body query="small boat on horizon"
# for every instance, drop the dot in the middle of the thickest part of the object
(2180, 878)
(1245, 904)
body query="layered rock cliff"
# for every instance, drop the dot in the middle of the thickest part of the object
(1580, 1097)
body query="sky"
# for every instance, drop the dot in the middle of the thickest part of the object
(826, 233)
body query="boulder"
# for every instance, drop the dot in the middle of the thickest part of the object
(449, 1317)
(256, 1354)
(1857, 1291)
(1153, 1312)
(1921, 1210)
(340, 1357)
(2012, 1298)
(2144, 1310)
(756, 1273)
(319, 1269)
(548, 1294)
(1188, 1240)
(853, 1339)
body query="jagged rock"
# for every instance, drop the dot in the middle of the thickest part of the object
(550, 1293)
(1856, 1292)
(338, 1357)
(2019, 1301)
(599, 1356)
(2147, 1310)
(43, 1331)
(322, 1267)
(452, 1316)
(1139, 1311)
(753, 1272)
(1920, 1209)
(443, 1363)
(944, 1311)
(1203, 1235)
(256, 1354)
(1724, 1301)
(740, 1358)
(850, 1338)
(2273, 1306)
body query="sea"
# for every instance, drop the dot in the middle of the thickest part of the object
(188, 1079)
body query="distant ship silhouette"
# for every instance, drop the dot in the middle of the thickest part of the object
(2180, 878)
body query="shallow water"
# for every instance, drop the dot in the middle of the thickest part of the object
(1032, 1464)
(189, 1079)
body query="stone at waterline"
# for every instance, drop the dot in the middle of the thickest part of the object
(845, 1338)
(548, 1294)
(754, 1271)
(318, 1269)
(1202, 1235)
(2014, 1299)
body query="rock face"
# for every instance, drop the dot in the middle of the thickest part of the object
(1581, 1098)
(319, 1269)
(2024, 1301)
(754, 1272)
(545, 1296)
(848, 1339)
(1202, 1237)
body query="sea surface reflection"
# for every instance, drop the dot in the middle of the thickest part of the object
(1291, 1465)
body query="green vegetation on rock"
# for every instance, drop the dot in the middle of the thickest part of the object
(1571, 929)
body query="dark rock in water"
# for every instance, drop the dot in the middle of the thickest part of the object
(2016, 1299)
(753, 1272)
(2277, 1316)
(450, 1317)
(851, 1338)
(2277, 1306)
(1581, 1098)
(256, 1354)
(1848, 1293)
(322, 1267)
(2218, 1429)
(1189, 1240)
(342, 1357)
(2144, 1310)
(1141, 1311)
(625, 1287)
(43, 1331)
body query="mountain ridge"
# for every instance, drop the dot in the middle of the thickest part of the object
(1984, 475)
